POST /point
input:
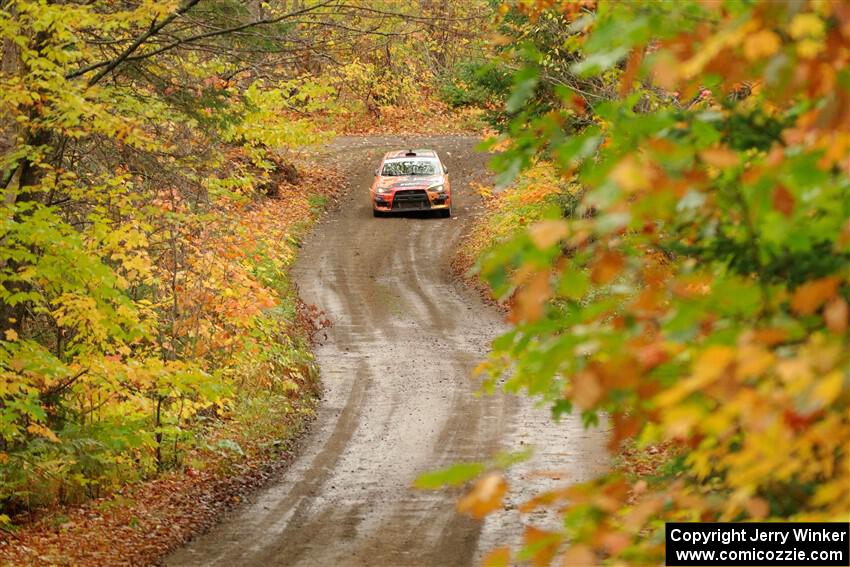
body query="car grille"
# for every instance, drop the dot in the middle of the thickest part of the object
(414, 199)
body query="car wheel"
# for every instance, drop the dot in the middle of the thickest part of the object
(445, 213)
(377, 213)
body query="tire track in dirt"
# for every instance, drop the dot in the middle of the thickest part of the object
(398, 398)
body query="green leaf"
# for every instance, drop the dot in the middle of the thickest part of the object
(525, 83)
(507, 460)
(574, 283)
(451, 476)
(595, 63)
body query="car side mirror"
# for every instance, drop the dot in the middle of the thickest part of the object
(445, 169)
(378, 172)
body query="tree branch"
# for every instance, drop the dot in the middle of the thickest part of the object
(127, 55)
(113, 63)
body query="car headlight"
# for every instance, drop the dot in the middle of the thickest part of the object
(383, 190)
(437, 189)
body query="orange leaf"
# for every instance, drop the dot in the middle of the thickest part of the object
(485, 496)
(835, 314)
(607, 267)
(579, 104)
(614, 542)
(666, 71)
(719, 157)
(531, 298)
(637, 517)
(543, 499)
(586, 389)
(625, 427)
(651, 355)
(757, 508)
(548, 232)
(631, 71)
(580, 555)
(618, 374)
(770, 336)
(546, 544)
(783, 200)
(499, 557)
(631, 174)
(811, 295)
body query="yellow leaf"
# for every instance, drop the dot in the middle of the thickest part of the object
(11, 335)
(548, 232)
(761, 44)
(708, 367)
(809, 48)
(680, 419)
(830, 492)
(713, 361)
(829, 387)
(753, 361)
(485, 496)
(42, 431)
(806, 25)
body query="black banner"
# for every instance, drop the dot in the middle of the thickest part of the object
(760, 544)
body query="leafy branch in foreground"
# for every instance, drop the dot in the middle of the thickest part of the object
(697, 296)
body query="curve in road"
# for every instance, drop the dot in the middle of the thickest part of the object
(398, 398)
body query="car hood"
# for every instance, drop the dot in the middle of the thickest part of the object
(410, 181)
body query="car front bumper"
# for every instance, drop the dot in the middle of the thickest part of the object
(391, 203)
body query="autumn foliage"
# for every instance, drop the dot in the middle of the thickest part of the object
(143, 268)
(696, 298)
(153, 198)
(673, 242)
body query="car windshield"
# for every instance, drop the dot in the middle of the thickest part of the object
(409, 167)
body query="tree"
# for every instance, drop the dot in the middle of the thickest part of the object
(697, 297)
(138, 139)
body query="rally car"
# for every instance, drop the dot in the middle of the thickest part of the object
(411, 180)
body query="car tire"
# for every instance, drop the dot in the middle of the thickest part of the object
(445, 213)
(376, 213)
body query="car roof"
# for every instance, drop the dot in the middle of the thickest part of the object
(401, 154)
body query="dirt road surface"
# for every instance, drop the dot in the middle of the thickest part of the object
(399, 399)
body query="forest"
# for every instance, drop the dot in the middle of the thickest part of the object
(667, 230)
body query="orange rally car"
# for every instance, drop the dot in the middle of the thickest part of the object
(411, 180)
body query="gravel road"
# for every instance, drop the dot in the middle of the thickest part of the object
(398, 397)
